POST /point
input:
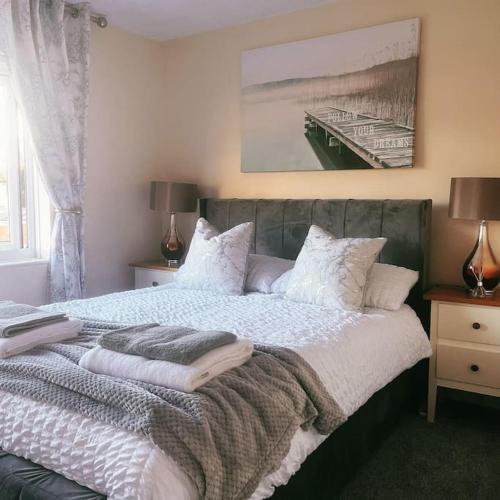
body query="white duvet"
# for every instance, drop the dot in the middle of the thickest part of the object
(354, 354)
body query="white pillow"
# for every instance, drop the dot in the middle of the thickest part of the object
(332, 272)
(216, 261)
(388, 286)
(281, 284)
(263, 271)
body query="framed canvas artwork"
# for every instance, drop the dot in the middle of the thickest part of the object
(343, 101)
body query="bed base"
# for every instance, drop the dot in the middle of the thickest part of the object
(330, 467)
(21, 479)
(322, 475)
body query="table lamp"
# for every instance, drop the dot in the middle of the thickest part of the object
(173, 197)
(478, 198)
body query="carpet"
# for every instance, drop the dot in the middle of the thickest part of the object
(457, 457)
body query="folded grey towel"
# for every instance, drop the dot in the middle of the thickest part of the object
(176, 344)
(18, 318)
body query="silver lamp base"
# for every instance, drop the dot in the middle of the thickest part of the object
(479, 292)
(173, 263)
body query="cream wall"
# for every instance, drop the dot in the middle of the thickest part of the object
(24, 282)
(458, 125)
(124, 152)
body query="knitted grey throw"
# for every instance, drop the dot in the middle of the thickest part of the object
(226, 436)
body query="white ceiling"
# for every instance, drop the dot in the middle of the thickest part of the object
(166, 19)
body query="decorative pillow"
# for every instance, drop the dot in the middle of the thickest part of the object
(216, 261)
(263, 271)
(389, 286)
(331, 272)
(281, 284)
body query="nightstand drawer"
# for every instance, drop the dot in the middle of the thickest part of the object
(469, 323)
(473, 366)
(145, 278)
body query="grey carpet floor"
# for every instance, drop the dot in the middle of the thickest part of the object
(457, 457)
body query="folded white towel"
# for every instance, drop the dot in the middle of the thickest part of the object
(185, 378)
(55, 332)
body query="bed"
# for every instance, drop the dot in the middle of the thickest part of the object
(123, 465)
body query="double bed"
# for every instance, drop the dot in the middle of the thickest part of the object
(367, 361)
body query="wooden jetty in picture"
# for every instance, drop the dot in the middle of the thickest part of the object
(346, 140)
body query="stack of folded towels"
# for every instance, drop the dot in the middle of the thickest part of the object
(176, 357)
(23, 327)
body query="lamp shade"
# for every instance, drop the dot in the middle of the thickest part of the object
(475, 198)
(173, 196)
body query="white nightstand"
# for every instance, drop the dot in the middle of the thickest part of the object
(465, 338)
(152, 273)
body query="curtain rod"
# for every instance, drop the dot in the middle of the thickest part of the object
(101, 21)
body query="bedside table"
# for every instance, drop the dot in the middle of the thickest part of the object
(152, 273)
(465, 338)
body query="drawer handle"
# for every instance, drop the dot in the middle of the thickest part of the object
(474, 368)
(155, 283)
(476, 325)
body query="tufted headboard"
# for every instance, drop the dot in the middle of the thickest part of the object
(282, 225)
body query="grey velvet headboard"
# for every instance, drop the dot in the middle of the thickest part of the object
(281, 227)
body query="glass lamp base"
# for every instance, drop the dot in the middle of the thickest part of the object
(481, 271)
(173, 246)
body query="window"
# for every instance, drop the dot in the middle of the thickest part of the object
(23, 204)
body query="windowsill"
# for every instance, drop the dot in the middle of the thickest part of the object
(23, 262)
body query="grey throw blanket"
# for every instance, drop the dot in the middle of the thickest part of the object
(177, 344)
(226, 436)
(16, 318)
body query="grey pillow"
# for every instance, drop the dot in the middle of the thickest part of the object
(281, 284)
(263, 271)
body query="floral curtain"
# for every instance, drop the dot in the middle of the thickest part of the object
(47, 52)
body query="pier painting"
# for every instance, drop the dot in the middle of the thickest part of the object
(344, 101)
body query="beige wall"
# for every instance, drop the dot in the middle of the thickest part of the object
(26, 283)
(458, 125)
(125, 138)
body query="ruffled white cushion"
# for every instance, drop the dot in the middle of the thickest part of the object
(388, 286)
(263, 271)
(216, 262)
(332, 272)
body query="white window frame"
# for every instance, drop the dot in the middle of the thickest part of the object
(36, 202)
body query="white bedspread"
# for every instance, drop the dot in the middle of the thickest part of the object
(354, 354)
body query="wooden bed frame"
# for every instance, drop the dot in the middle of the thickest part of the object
(280, 230)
